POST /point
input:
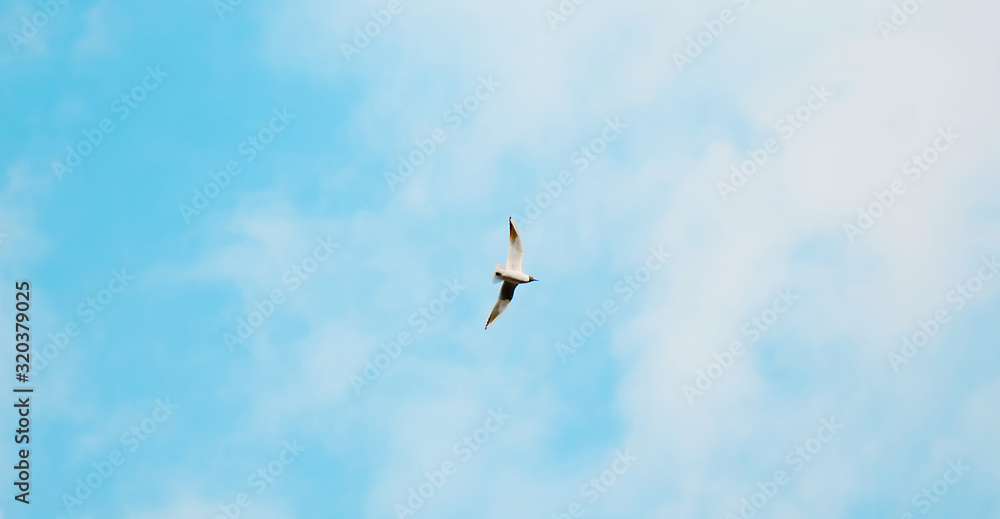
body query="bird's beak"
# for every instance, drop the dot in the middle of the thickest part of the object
(530, 279)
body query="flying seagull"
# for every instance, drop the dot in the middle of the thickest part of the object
(510, 276)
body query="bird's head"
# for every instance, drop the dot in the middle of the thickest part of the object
(530, 279)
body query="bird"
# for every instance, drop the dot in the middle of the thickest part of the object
(511, 276)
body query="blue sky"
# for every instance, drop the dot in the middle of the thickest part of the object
(271, 319)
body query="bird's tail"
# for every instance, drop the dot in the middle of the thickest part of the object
(496, 274)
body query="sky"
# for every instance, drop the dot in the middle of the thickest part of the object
(259, 238)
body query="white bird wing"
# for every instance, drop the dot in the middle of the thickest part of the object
(516, 252)
(506, 294)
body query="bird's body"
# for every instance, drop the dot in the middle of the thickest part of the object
(511, 275)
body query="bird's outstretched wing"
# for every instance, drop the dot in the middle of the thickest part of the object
(516, 252)
(506, 294)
